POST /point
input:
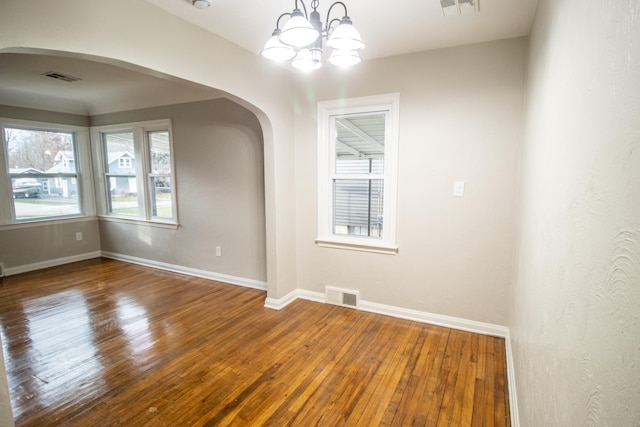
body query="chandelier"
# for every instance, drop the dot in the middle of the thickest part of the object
(302, 35)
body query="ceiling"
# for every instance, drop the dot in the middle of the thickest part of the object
(388, 28)
(102, 88)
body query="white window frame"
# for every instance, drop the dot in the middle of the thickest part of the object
(82, 152)
(140, 131)
(390, 104)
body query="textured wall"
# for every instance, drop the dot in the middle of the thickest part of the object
(575, 305)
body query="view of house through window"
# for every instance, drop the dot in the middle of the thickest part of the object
(43, 171)
(120, 174)
(137, 168)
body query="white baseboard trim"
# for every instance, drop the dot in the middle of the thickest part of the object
(436, 319)
(402, 313)
(10, 271)
(511, 381)
(280, 303)
(205, 274)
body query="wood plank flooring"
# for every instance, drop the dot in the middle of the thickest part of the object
(106, 343)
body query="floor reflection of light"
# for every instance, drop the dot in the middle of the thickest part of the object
(62, 349)
(135, 326)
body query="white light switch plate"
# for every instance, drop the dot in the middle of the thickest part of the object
(458, 188)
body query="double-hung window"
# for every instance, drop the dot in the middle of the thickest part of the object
(135, 167)
(357, 169)
(43, 164)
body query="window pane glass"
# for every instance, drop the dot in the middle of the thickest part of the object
(357, 207)
(122, 187)
(123, 196)
(160, 188)
(38, 151)
(32, 154)
(161, 202)
(160, 152)
(359, 166)
(360, 143)
(34, 198)
(120, 154)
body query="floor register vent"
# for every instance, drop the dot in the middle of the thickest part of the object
(342, 297)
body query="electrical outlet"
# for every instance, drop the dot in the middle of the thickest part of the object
(218, 251)
(79, 235)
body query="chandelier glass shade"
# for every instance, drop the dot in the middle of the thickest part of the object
(301, 39)
(275, 50)
(298, 31)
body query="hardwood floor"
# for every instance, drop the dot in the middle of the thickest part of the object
(105, 343)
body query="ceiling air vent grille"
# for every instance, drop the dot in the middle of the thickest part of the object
(459, 7)
(61, 76)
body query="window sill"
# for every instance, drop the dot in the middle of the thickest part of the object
(358, 246)
(137, 221)
(47, 222)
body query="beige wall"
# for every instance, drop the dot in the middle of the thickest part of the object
(460, 119)
(43, 116)
(218, 154)
(575, 305)
(39, 243)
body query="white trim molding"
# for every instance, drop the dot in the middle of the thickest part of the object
(328, 112)
(280, 303)
(399, 312)
(511, 381)
(10, 271)
(205, 274)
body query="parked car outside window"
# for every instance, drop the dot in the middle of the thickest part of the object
(26, 188)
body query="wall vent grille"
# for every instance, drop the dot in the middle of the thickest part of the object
(61, 76)
(342, 297)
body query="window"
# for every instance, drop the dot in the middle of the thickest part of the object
(136, 171)
(357, 168)
(124, 163)
(42, 178)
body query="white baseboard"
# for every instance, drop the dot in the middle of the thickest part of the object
(402, 313)
(205, 274)
(280, 303)
(423, 317)
(511, 381)
(10, 271)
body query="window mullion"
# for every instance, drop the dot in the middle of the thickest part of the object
(140, 149)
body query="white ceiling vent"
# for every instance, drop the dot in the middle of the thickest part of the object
(459, 7)
(61, 76)
(342, 297)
